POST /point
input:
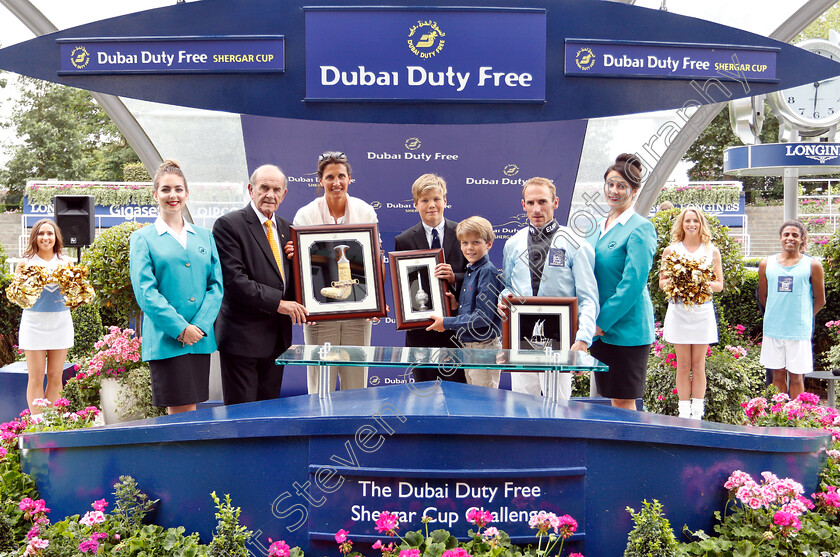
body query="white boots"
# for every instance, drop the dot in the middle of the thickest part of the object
(692, 409)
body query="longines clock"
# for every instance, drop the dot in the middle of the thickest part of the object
(813, 106)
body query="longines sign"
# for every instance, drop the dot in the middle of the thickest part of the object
(437, 54)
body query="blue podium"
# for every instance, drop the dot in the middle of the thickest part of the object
(304, 467)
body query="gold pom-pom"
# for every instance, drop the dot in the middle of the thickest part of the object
(688, 280)
(74, 285)
(26, 286)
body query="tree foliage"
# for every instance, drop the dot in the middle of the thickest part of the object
(64, 135)
(707, 155)
(819, 28)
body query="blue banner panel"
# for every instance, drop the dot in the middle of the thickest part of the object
(426, 54)
(770, 159)
(156, 55)
(585, 57)
(104, 217)
(512, 500)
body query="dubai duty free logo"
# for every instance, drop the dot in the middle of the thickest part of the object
(79, 57)
(585, 59)
(426, 39)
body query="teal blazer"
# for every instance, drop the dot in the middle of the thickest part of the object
(175, 287)
(623, 259)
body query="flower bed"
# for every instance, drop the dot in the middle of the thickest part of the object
(105, 194)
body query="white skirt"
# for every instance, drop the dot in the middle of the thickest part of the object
(696, 325)
(45, 330)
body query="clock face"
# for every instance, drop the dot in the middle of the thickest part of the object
(813, 105)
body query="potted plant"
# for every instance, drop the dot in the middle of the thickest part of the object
(116, 379)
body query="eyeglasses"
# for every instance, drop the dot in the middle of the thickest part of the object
(338, 155)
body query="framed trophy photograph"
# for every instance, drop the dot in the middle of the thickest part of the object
(417, 293)
(533, 323)
(339, 271)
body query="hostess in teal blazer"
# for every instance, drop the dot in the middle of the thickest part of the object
(175, 287)
(623, 259)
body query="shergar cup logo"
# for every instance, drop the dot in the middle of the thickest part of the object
(426, 39)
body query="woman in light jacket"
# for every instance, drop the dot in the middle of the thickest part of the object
(177, 281)
(625, 244)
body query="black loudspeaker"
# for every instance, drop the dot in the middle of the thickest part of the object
(74, 216)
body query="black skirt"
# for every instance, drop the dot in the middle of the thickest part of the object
(180, 380)
(628, 368)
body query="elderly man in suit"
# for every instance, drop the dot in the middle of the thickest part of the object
(432, 232)
(255, 323)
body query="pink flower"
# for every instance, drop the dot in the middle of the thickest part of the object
(543, 521)
(457, 552)
(660, 397)
(479, 517)
(674, 391)
(568, 526)
(92, 517)
(491, 532)
(61, 403)
(575, 554)
(278, 549)
(809, 398)
(378, 544)
(36, 546)
(41, 403)
(786, 521)
(387, 523)
(89, 546)
(3, 452)
(341, 536)
(99, 505)
(740, 329)
(410, 553)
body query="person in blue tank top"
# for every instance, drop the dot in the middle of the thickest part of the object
(790, 286)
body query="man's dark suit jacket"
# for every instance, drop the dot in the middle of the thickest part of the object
(415, 238)
(248, 323)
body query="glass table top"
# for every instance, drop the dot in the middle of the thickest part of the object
(464, 358)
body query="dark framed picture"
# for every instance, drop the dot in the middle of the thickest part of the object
(339, 271)
(533, 323)
(417, 293)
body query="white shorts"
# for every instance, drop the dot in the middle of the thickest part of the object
(796, 356)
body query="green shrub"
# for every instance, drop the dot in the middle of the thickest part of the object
(107, 260)
(230, 536)
(652, 535)
(740, 306)
(729, 381)
(733, 267)
(9, 324)
(87, 329)
(135, 172)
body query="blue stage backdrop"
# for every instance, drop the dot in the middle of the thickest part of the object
(484, 167)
